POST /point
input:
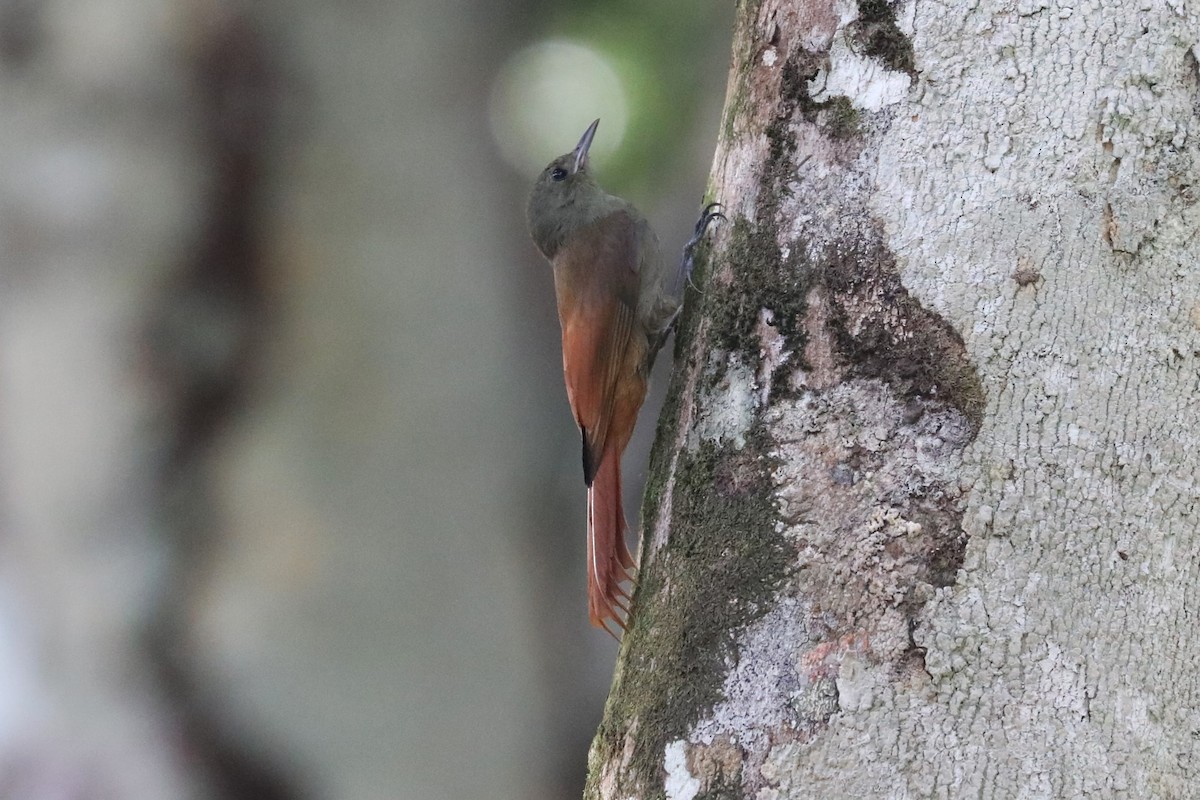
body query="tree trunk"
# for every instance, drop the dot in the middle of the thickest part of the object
(922, 516)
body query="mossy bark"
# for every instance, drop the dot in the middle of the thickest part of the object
(834, 464)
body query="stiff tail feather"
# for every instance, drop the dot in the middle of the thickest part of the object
(609, 561)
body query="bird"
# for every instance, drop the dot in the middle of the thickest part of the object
(617, 302)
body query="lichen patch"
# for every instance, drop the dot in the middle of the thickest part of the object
(727, 403)
(679, 783)
(869, 85)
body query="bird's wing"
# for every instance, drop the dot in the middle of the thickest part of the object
(596, 272)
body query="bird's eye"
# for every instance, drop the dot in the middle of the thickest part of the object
(558, 174)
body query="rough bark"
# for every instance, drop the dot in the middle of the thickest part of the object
(922, 516)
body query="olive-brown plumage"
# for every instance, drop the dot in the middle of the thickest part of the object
(613, 306)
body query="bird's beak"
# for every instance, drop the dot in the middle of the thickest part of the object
(581, 149)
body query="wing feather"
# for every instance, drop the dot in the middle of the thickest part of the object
(596, 280)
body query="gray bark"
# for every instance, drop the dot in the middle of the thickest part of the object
(922, 518)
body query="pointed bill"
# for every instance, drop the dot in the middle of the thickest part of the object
(581, 149)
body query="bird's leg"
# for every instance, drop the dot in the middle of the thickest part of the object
(711, 212)
(686, 261)
(683, 275)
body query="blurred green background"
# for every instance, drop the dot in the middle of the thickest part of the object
(290, 502)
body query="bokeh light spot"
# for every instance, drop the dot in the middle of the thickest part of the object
(546, 96)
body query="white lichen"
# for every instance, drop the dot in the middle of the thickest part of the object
(679, 784)
(867, 83)
(726, 408)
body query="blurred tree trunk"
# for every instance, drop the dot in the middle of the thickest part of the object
(922, 514)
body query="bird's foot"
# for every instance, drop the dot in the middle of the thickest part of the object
(684, 275)
(686, 264)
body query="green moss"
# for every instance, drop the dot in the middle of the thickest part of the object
(762, 278)
(723, 790)
(735, 106)
(838, 118)
(717, 573)
(917, 352)
(660, 455)
(745, 42)
(876, 33)
(734, 109)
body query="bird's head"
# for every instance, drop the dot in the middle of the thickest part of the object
(562, 195)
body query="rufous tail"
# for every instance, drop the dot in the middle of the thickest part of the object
(608, 558)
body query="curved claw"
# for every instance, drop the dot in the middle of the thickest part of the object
(706, 217)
